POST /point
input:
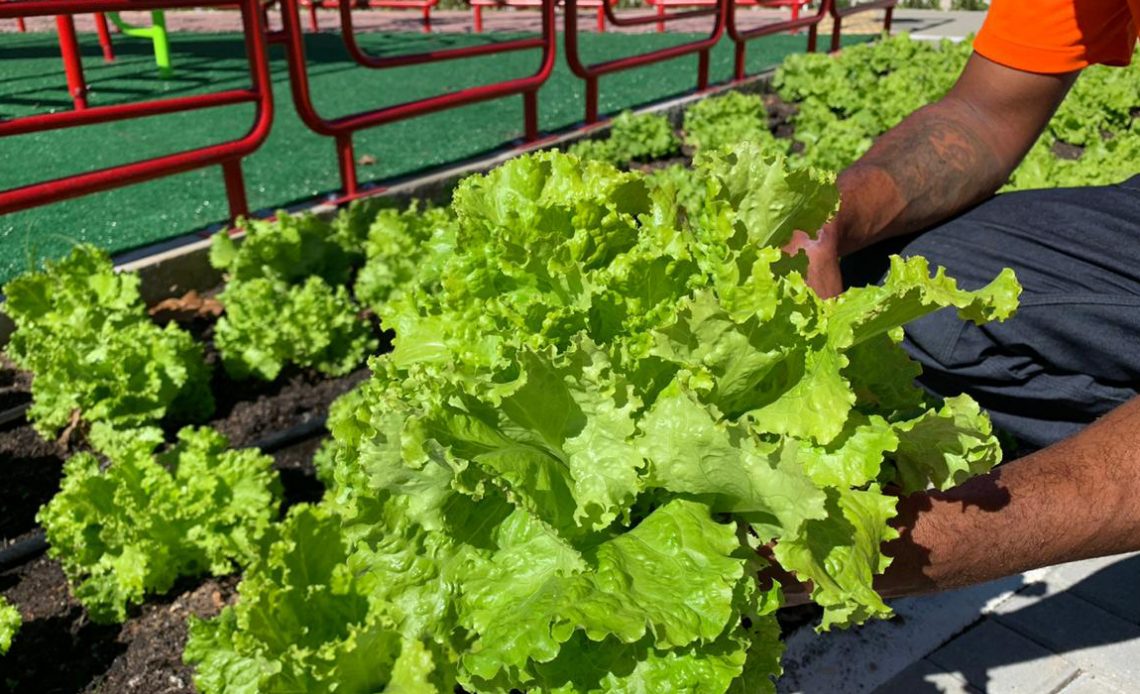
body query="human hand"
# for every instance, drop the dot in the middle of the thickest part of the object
(823, 260)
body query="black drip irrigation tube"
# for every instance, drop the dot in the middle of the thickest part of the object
(23, 551)
(34, 545)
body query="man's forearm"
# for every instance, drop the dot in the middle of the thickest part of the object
(946, 157)
(1077, 499)
(934, 164)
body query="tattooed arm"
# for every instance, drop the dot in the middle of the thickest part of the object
(941, 160)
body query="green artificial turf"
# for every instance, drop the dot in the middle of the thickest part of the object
(294, 163)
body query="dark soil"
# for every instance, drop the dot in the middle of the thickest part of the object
(32, 469)
(15, 385)
(266, 408)
(780, 115)
(295, 465)
(59, 650)
(793, 618)
(151, 660)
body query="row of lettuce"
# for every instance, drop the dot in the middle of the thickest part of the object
(600, 403)
(842, 103)
(598, 407)
(129, 520)
(136, 511)
(608, 390)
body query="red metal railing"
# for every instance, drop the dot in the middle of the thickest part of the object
(424, 6)
(478, 5)
(837, 15)
(69, 52)
(591, 73)
(662, 6)
(741, 37)
(228, 154)
(343, 128)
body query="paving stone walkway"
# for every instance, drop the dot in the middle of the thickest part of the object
(1069, 629)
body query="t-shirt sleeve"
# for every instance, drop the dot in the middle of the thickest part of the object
(1054, 36)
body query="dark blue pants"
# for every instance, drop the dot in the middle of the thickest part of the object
(1072, 351)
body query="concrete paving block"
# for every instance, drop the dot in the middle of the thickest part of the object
(1074, 572)
(1114, 588)
(1089, 684)
(1055, 579)
(924, 677)
(1084, 634)
(998, 660)
(864, 658)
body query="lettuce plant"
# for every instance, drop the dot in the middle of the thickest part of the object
(633, 137)
(559, 479)
(291, 248)
(398, 244)
(10, 621)
(131, 528)
(83, 332)
(269, 324)
(286, 299)
(732, 117)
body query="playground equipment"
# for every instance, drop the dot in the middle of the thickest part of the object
(741, 37)
(662, 6)
(156, 32)
(424, 6)
(257, 37)
(591, 73)
(838, 13)
(342, 128)
(227, 154)
(477, 7)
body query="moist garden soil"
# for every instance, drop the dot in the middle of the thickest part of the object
(58, 649)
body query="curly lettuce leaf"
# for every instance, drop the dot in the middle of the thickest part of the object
(945, 446)
(841, 554)
(134, 527)
(268, 325)
(10, 622)
(83, 332)
(672, 576)
(692, 453)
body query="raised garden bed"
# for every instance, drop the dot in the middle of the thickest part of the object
(58, 647)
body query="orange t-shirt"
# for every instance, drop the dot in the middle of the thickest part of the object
(1053, 36)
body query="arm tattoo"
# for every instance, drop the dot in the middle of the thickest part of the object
(939, 165)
